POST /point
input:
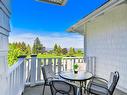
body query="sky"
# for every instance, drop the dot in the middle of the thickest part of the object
(31, 19)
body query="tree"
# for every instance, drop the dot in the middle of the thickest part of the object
(71, 52)
(55, 47)
(17, 49)
(37, 46)
(64, 51)
(79, 51)
(58, 51)
(28, 49)
(23, 48)
(13, 53)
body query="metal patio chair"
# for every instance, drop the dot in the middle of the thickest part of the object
(61, 87)
(100, 86)
(48, 75)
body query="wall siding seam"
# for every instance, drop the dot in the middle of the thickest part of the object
(4, 33)
(5, 7)
(5, 29)
(5, 12)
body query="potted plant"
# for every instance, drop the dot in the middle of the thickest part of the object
(75, 67)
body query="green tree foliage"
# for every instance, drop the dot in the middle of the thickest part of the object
(37, 46)
(58, 51)
(23, 48)
(17, 49)
(13, 53)
(64, 51)
(28, 50)
(79, 51)
(55, 47)
(50, 52)
(71, 51)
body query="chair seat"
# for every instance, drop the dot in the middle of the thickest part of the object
(100, 86)
(99, 90)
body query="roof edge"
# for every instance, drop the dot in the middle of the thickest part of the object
(95, 13)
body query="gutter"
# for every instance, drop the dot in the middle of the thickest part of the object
(96, 13)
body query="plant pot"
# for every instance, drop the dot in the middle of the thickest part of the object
(75, 71)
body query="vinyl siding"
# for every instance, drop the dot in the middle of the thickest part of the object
(4, 32)
(106, 38)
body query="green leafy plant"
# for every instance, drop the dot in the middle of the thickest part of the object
(75, 66)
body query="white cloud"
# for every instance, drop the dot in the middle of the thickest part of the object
(64, 40)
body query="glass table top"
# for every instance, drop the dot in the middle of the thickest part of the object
(80, 76)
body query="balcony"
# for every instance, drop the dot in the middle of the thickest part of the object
(25, 76)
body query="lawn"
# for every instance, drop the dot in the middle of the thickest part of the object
(56, 56)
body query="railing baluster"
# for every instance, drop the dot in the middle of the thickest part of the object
(13, 84)
(66, 64)
(21, 75)
(54, 65)
(44, 61)
(59, 65)
(9, 80)
(18, 78)
(39, 70)
(49, 61)
(63, 62)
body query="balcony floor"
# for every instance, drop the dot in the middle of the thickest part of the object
(37, 90)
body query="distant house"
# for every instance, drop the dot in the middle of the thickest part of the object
(43, 49)
(105, 37)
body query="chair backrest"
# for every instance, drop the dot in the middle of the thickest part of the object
(60, 87)
(47, 72)
(114, 78)
(82, 66)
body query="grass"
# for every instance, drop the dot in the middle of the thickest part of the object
(56, 56)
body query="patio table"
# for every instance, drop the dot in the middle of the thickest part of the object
(81, 77)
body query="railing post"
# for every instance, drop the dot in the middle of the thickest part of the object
(33, 70)
(21, 77)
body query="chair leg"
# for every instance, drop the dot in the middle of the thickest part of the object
(51, 90)
(43, 90)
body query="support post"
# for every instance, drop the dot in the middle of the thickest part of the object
(33, 70)
(22, 73)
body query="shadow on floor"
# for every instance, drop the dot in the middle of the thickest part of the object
(37, 90)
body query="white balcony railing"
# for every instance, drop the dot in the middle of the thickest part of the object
(28, 71)
(34, 74)
(16, 77)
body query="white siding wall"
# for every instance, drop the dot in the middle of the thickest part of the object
(4, 32)
(107, 40)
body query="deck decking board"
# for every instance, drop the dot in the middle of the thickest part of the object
(37, 90)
